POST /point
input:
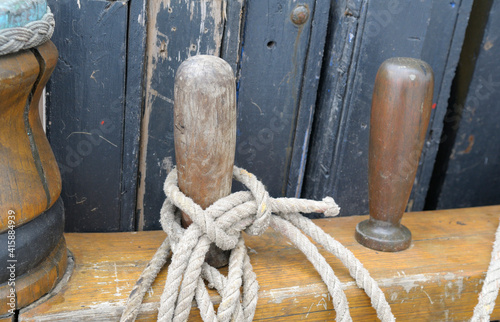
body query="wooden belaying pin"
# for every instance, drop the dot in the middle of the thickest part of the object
(401, 108)
(205, 134)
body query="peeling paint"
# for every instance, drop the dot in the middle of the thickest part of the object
(277, 296)
(454, 287)
(406, 282)
(207, 17)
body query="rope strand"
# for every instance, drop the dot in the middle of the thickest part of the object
(491, 285)
(222, 223)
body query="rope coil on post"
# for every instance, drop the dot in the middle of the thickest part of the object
(252, 211)
(30, 35)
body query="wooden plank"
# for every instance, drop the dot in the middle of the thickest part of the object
(134, 103)
(233, 32)
(364, 34)
(472, 176)
(448, 21)
(308, 95)
(332, 112)
(271, 78)
(85, 108)
(436, 279)
(176, 31)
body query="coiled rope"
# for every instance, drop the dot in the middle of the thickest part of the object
(30, 35)
(222, 223)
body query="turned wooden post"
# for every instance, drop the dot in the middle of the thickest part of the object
(33, 248)
(401, 108)
(205, 134)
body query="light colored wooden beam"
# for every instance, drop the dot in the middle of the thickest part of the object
(437, 279)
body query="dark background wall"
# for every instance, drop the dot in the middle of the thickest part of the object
(304, 95)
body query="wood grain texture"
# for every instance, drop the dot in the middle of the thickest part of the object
(37, 282)
(205, 134)
(309, 91)
(233, 33)
(30, 180)
(436, 279)
(205, 129)
(46, 55)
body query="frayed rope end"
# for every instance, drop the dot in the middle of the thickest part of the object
(333, 209)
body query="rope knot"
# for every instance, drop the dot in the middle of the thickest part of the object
(251, 211)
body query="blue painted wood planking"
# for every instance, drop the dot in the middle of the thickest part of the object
(134, 103)
(110, 71)
(449, 21)
(86, 99)
(364, 34)
(175, 32)
(271, 79)
(273, 88)
(471, 172)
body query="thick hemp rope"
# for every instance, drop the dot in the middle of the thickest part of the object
(30, 35)
(222, 223)
(491, 285)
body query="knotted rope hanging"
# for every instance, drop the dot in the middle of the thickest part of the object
(30, 35)
(222, 223)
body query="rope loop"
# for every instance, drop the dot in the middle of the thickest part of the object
(222, 223)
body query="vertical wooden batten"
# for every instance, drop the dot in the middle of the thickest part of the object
(276, 89)
(308, 95)
(134, 104)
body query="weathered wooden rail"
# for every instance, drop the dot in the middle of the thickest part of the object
(436, 279)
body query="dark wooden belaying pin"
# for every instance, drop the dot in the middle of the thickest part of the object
(401, 108)
(205, 134)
